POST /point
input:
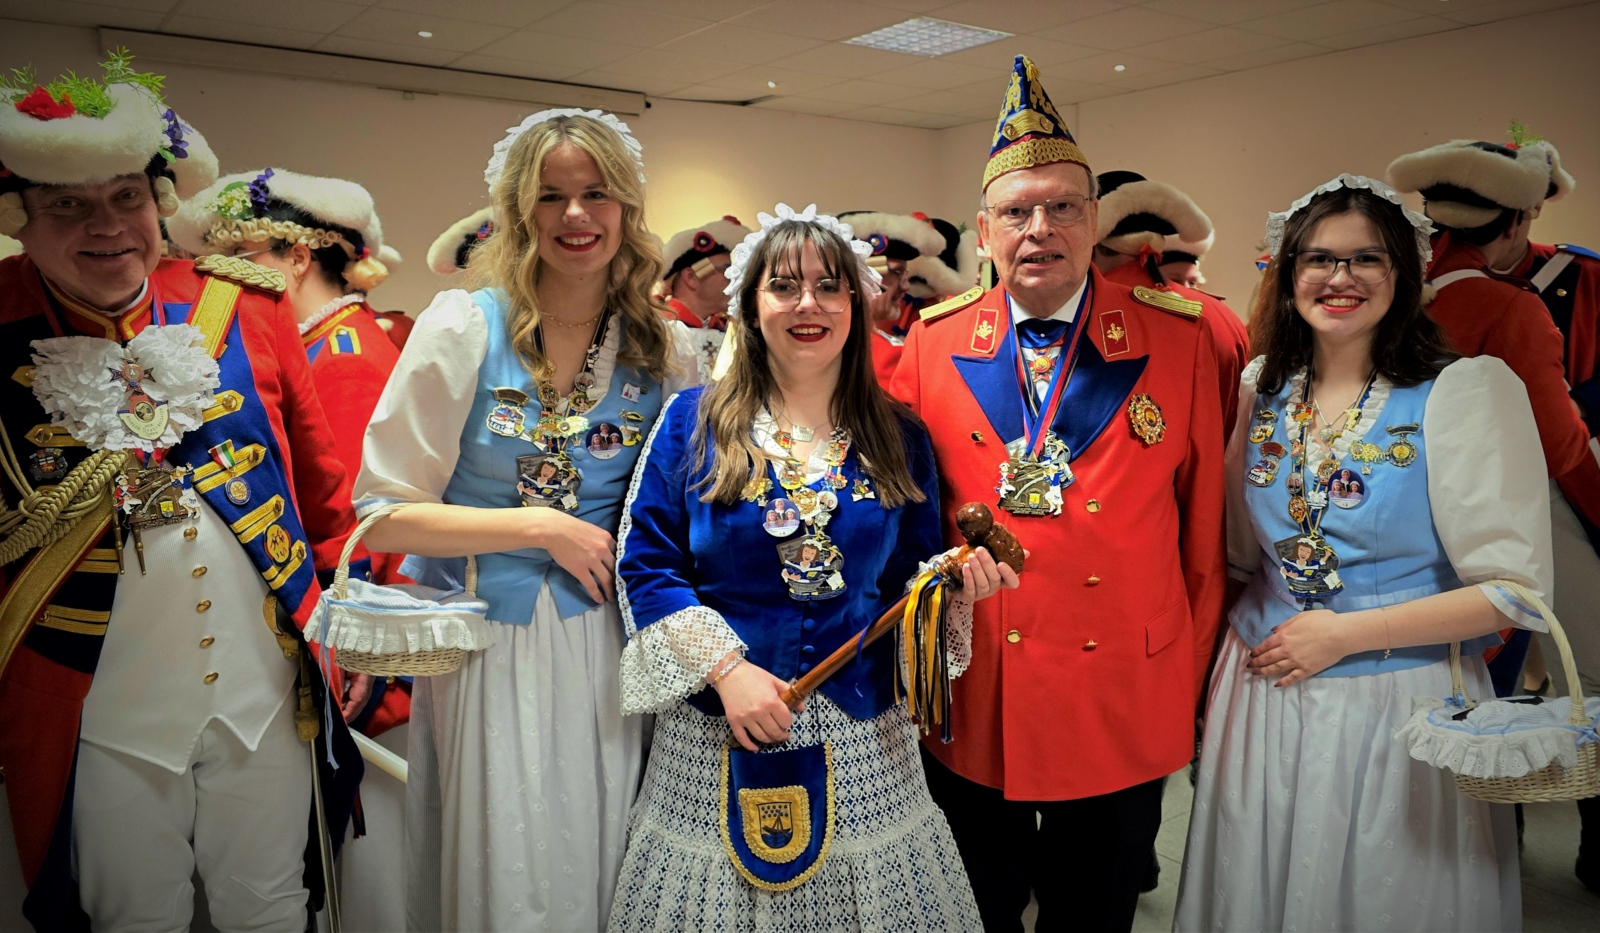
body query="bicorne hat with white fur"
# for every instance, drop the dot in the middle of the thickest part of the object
(1136, 213)
(894, 236)
(689, 248)
(952, 271)
(449, 253)
(1467, 183)
(78, 131)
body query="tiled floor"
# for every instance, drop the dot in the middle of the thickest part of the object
(1552, 899)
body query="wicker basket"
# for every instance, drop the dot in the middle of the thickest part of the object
(1553, 782)
(402, 630)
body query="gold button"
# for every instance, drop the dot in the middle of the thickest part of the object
(197, 572)
(1092, 505)
(203, 605)
(1013, 636)
(207, 641)
(977, 437)
(189, 534)
(1090, 645)
(1092, 581)
(1561, 293)
(211, 678)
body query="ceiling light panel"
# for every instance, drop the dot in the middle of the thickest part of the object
(927, 37)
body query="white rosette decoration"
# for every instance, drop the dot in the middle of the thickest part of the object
(497, 162)
(76, 380)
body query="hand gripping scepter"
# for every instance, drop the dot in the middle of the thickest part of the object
(919, 615)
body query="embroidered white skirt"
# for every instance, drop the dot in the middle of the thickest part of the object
(892, 864)
(522, 769)
(1308, 815)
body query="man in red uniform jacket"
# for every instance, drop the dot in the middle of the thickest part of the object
(1151, 236)
(897, 240)
(1095, 414)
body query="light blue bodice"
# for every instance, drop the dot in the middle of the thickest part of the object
(1389, 551)
(486, 475)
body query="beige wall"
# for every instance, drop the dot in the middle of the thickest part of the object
(1246, 143)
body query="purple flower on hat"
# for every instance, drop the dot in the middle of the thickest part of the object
(259, 192)
(176, 148)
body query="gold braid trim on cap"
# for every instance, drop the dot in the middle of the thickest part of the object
(1031, 152)
(225, 232)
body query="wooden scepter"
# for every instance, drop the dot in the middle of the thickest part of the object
(977, 526)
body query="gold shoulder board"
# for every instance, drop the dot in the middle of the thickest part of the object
(242, 271)
(934, 312)
(1170, 302)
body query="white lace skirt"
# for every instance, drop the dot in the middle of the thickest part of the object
(522, 769)
(1308, 815)
(892, 866)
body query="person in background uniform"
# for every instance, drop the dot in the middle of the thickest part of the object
(897, 240)
(1098, 410)
(1484, 196)
(1151, 236)
(154, 726)
(450, 250)
(932, 279)
(697, 264)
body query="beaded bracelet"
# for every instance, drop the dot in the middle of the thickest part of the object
(724, 672)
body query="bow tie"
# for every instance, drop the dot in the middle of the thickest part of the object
(1037, 334)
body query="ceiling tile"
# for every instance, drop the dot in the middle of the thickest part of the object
(935, 74)
(849, 61)
(821, 19)
(1083, 92)
(656, 65)
(739, 44)
(512, 13)
(540, 70)
(752, 82)
(1329, 19)
(1123, 28)
(1412, 27)
(821, 108)
(81, 14)
(322, 16)
(1142, 80)
(1489, 11)
(1227, 12)
(401, 27)
(385, 51)
(866, 93)
(627, 25)
(1101, 69)
(998, 56)
(252, 33)
(658, 86)
(555, 51)
(1022, 16)
(1197, 48)
(890, 115)
(713, 10)
(914, 6)
(148, 5)
(721, 95)
(1293, 51)
(952, 102)
(935, 121)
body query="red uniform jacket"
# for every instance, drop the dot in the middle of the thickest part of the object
(886, 352)
(1227, 332)
(1085, 680)
(268, 407)
(1573, 298)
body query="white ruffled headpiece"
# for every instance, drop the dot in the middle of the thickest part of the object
(1277, 221)
(871, 281)
(497, 162)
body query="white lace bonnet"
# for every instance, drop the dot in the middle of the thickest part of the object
(497, 161)
(1277, 221)
(871, 281)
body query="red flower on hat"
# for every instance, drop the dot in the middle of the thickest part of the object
(703, 243)
(732, 219)
(41, 106)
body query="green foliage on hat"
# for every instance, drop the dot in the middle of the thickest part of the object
(88, 95)
(1522, 136)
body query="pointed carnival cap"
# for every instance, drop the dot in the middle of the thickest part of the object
(1030, 132)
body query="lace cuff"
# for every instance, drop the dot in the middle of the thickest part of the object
(958, 624)
(670, 658)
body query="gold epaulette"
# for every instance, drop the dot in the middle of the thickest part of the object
(242, 271)
(1170, 302)
(934, 312)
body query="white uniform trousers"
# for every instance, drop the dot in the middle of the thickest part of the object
(240, 817)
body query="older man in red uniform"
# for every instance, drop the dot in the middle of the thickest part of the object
(1089, 415)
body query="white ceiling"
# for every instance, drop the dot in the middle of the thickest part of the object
(727, 50)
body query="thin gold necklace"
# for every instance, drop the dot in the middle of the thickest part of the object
(560, 323)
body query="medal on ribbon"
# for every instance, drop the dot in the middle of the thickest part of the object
(1036, 469)
(236, 489)
(143, 415)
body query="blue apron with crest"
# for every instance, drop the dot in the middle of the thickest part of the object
(777, 813)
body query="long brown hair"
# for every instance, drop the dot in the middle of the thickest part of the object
(509, 260)
(1407, 346)
(730, 406)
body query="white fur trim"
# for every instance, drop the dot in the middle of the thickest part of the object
(724, 233)
(332, 201)
(1563, 179)
(442, 254)
(928, 277)
(390, 257)
(1518, 183)
(1195, 233)
(922, 236)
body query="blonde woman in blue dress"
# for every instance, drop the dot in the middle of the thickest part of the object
(522, 766)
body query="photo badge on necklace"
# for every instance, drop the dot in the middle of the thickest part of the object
(812, 568)
(603, 441)
(782, 516)
(1402, 453)
(1309, 566)
(548, 481)
(1030, 486)
(507, 416)
(143, 415)
(1347, 489)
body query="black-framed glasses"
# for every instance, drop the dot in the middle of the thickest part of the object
(1062, 211)
(1367, 267)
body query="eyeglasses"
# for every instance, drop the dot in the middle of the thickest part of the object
(831, 295)
(1368, 267)
(1063, 211)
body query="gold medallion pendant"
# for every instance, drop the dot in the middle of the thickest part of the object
(1144, 415)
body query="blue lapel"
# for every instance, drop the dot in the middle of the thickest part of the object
(1094, 396)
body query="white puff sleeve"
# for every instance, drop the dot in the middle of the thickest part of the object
(414, 438)
(1487, 483)
(685, 369)
(1244, 552)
